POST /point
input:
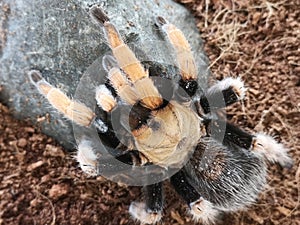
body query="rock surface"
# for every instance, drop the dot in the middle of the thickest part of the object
(59, 39)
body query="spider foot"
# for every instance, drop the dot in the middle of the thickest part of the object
(229, 90)
(204, 211)
(272, 150)
(98, 14)
(140, 212)
(86, 158)
(236, 85)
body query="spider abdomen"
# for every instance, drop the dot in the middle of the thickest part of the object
(229, 177)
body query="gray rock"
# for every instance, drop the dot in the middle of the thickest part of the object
(59, 39)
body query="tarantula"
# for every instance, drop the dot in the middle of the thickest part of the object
(218, 167)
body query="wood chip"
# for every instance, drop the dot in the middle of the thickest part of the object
(58, 190)
(35, 165)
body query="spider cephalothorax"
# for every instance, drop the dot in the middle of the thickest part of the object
(172, 125)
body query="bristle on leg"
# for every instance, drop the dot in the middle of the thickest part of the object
(139, 212)
(182, 48)
(272, 150)
(203, 210)
(75, 111)
(236, 84)
(105, 99)
(86, 158)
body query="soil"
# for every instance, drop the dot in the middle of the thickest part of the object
(256, 40)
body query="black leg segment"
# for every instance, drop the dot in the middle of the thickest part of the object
(231, 134)
(184, 188)
(154, 197)
(219, 99)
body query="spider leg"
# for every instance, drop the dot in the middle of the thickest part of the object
(76, 111)
(73, 110)
(227, 92)
(150, 211)
(84, 116)
(92, 163)
(222, 94)
(105, 99)
(119, 82)
(87, 158)
(127, 61)
(184, 56)
(261, 144)
(200, 208)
